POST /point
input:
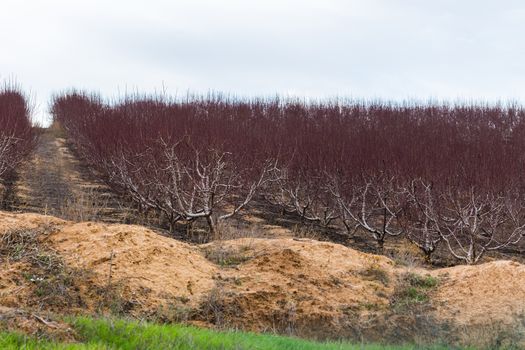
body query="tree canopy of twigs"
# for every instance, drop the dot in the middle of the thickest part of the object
(437, 174)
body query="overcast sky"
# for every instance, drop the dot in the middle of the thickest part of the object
(392, 49)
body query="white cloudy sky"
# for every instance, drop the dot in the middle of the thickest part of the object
(393, 49)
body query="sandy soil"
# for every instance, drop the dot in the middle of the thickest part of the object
(471, 295)
(153, 270)
(300, 284)
(252, 283)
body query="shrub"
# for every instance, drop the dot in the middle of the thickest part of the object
(17, 136)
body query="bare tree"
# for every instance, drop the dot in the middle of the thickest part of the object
(469, 223)
(203, 185)
(17, 136)
(6, 144)
(372, 203)
(423, 227)
(337, 163)
(308, 195)
(479, 224)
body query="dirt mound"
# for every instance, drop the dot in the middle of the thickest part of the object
(29, 220)
(14, 288)
(468, 294)
(152, 270)
(88, 267)
(300, 285)
(290, 285)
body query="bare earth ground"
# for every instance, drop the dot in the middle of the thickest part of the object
(299, 286)
(56, 183)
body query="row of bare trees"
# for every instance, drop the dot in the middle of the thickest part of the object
(439, 175)
(191, 161)
(17, 137)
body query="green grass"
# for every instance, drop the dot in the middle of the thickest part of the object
(414, 289)
(118, 334)
(425, 282)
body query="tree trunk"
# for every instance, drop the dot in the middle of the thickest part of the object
(212, 227)
(189, 229)
(172, 224)
(381, 244)
(428, 256)
(349, 230)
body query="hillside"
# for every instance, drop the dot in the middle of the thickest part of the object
(292, 286)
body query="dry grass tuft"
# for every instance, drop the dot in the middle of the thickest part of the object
(53, 284)
(226, 255)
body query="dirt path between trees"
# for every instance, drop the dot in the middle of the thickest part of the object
(54, 182)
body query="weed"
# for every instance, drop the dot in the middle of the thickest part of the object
(424, 282)
(306, 231)
(371, 306)
(496, 335)
(17, 244)
(213, 308)
(111, 300)
(413, 289)
(375, 272)
(406, 255)
(227, 256)
(55, 284)
(173, 312)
